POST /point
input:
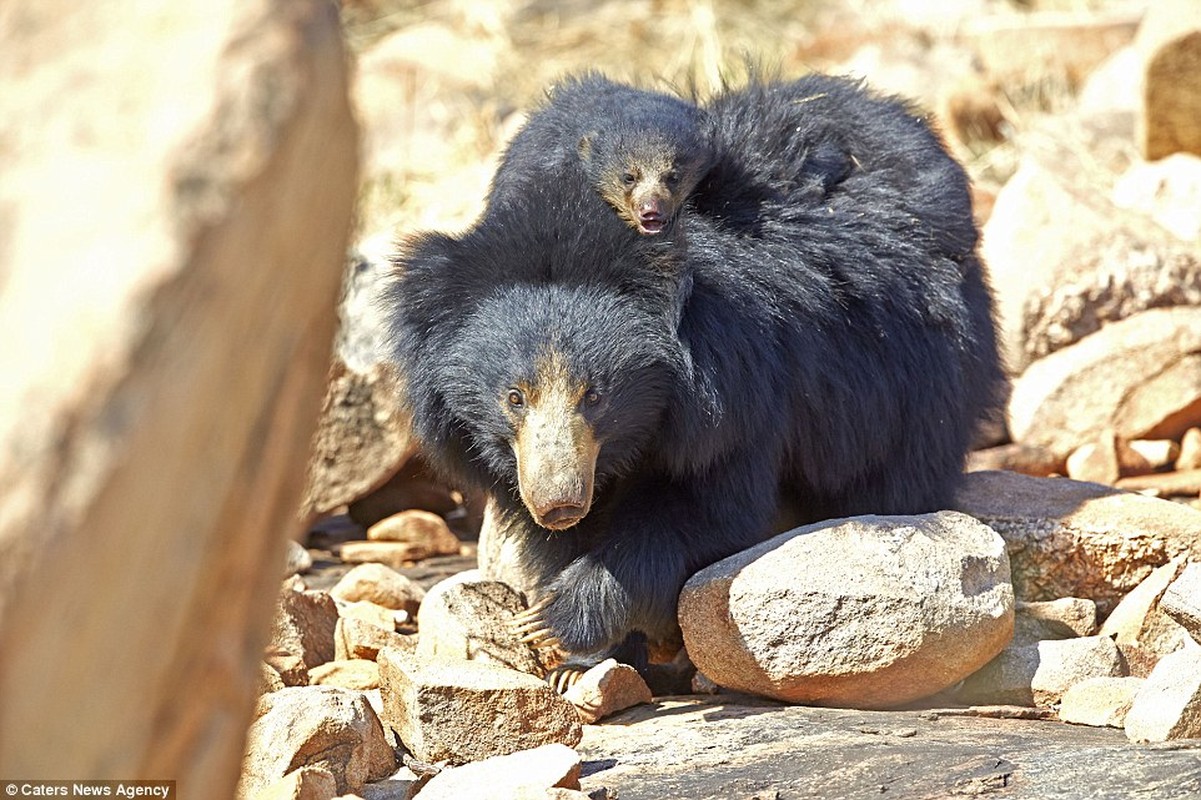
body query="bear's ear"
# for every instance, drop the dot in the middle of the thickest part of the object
(585, 146)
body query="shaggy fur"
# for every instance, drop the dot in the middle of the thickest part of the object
(643, 151)
(816, 333)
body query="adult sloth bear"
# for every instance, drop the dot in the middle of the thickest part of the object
(812, 331)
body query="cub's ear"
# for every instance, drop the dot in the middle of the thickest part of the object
(585, 146)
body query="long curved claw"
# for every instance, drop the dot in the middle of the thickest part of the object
(563, 678)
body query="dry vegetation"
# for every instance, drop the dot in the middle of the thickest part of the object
(443, 82)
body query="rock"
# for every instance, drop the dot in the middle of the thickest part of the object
(469, 710)
(1071, 539)
(732, 746)
(1065, 618)
(304, 626)
(355, 638)
(464, 618)
(355, 673)
(1169, 44)
(177, 192)
(269, 679)
(1184, 483)
(306, 783)
(1168, 191)
(416, 527)
(866, 612)
(1097, 461)
(321, 726)
(508, 777)
(1151, 455)
(363, 436)
(1168, 706)
(1039, 674)
(1065, 263)
(1017, 457)
(381, 585)
(396, 555)
(298, 559)
(1182, 600)
(370, 613)
(1136, 621)
(1099, 701)
(605, 689)
(1140, 377)
(290, 667)
(1190, 450)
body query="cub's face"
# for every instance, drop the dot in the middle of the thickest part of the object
(647, 176)
(557, 390)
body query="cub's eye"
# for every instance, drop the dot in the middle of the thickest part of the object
(629, 179)
(516, 398)
(671, 178)
(591, 397)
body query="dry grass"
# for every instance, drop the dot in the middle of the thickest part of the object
(466, 69)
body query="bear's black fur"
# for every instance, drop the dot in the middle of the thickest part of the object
(643, 151)
(816, 333)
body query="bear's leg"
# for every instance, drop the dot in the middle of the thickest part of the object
(661, 531)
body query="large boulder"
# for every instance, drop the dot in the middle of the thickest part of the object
(1071, 539)
(176, 196)
(1169, 45)
(1139, 377)
(863, 612)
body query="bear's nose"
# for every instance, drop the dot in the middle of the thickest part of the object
(561, 516)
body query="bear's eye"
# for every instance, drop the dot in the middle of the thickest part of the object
(516, 398)
(629, 179)
(591, 397)
(671, 178)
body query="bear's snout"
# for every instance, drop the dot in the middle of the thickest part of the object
(556, 451)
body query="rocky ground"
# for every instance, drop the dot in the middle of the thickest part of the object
(1038, 640)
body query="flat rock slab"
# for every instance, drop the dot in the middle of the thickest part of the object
(734, 746)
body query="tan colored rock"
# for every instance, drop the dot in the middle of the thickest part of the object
(1168, 191)
(396, 555)
(1065, 618)
(863, 612)
(1184, 483)
(1065, 263)
(177, 190)
(1182, 600)
(1071, 539)
(525, 773)
(304, 626)
(1100, 702)
(466, 618)
(370, 613)
(1190, 450)
(1017, 457)
(1039, 674)
(605, 689)
(1168, 706)
(1140, 377)
(419, 527)
(355, 673)
(1015, 47)
(355, 638)
(322, 726)
(1136, 621)
(381, 585)
(1150, 455)
(1096, 461)
(469, 710)
(1169, 44)
(306, 783)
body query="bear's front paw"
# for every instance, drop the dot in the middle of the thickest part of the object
(530, 628)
